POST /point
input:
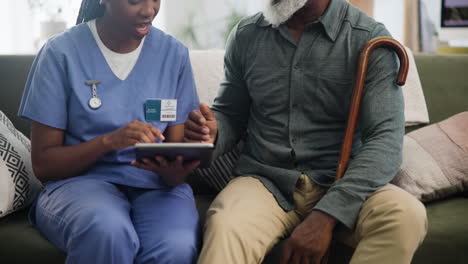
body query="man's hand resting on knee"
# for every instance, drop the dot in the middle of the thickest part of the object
(310, 240)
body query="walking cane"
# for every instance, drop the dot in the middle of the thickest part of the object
(356, 98)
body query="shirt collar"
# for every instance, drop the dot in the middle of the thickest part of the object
(331, 19)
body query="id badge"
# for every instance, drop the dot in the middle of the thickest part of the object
(164, 110)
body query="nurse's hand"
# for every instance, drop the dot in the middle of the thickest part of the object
(201, 126)
(130, 134)
(172, 172)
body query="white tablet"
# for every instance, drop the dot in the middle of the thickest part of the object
(190, 151)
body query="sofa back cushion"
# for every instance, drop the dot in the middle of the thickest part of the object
(444, 79)
(14, 71)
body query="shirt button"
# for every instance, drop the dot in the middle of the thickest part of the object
(296, 67)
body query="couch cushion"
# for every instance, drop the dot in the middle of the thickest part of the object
(445, 84)
(445, 242)
(14, 71)
(21, 243)
(435, 160)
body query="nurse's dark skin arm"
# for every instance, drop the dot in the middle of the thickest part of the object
(52, 160)
(175, 172)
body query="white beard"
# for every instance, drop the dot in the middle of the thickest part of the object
(280, 12)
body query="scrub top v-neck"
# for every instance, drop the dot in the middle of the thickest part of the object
(57, 95)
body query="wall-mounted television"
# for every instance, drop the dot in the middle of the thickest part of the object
(454, 13)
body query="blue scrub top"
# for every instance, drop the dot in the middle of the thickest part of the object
(57, 95)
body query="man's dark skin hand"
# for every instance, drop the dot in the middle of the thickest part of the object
(310, 240)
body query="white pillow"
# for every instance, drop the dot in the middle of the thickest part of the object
(208, 71)
(18, 185)
(415, 105)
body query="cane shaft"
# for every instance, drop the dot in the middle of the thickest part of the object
(357, 92)
(356, 98)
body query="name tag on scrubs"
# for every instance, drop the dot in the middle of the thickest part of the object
(164, 110)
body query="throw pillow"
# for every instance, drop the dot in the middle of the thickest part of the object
(415, 105)
(435, 160)
(18, 186)
(208, 73)
(218, 175)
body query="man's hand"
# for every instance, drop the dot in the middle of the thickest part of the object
(310, 240)
(201, 126)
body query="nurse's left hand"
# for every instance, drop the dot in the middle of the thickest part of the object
(172, 172)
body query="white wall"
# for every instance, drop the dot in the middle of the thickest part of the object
(20, 25)
(390, 13)
(17, 29)
(209, 18)
(445, 34)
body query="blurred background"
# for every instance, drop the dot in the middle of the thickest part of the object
(423, 25)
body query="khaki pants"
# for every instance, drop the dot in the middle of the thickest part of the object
(244, 222)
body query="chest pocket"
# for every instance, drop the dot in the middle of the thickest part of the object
(330, 86)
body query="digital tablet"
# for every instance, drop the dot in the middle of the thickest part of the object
(190, 151)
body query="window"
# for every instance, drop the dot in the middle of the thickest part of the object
(25, 25)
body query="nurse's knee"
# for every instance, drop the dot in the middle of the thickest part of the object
(182, 247)
(112, 231)
(177, 247)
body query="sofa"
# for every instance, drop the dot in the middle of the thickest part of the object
(445, 83)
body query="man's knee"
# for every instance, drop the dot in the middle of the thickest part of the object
(411, 218)
(399, 215)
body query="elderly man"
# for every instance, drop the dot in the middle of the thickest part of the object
(289, 75)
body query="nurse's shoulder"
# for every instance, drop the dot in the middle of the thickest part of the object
(67, 43)
(167, 44)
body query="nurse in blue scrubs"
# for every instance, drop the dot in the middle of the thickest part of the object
(86, 96)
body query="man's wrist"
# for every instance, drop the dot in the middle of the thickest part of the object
(324, 218)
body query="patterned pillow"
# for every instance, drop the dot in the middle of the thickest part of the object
(435, 160)
(219, 173)
(18, 186)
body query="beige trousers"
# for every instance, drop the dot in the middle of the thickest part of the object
(244, 222)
